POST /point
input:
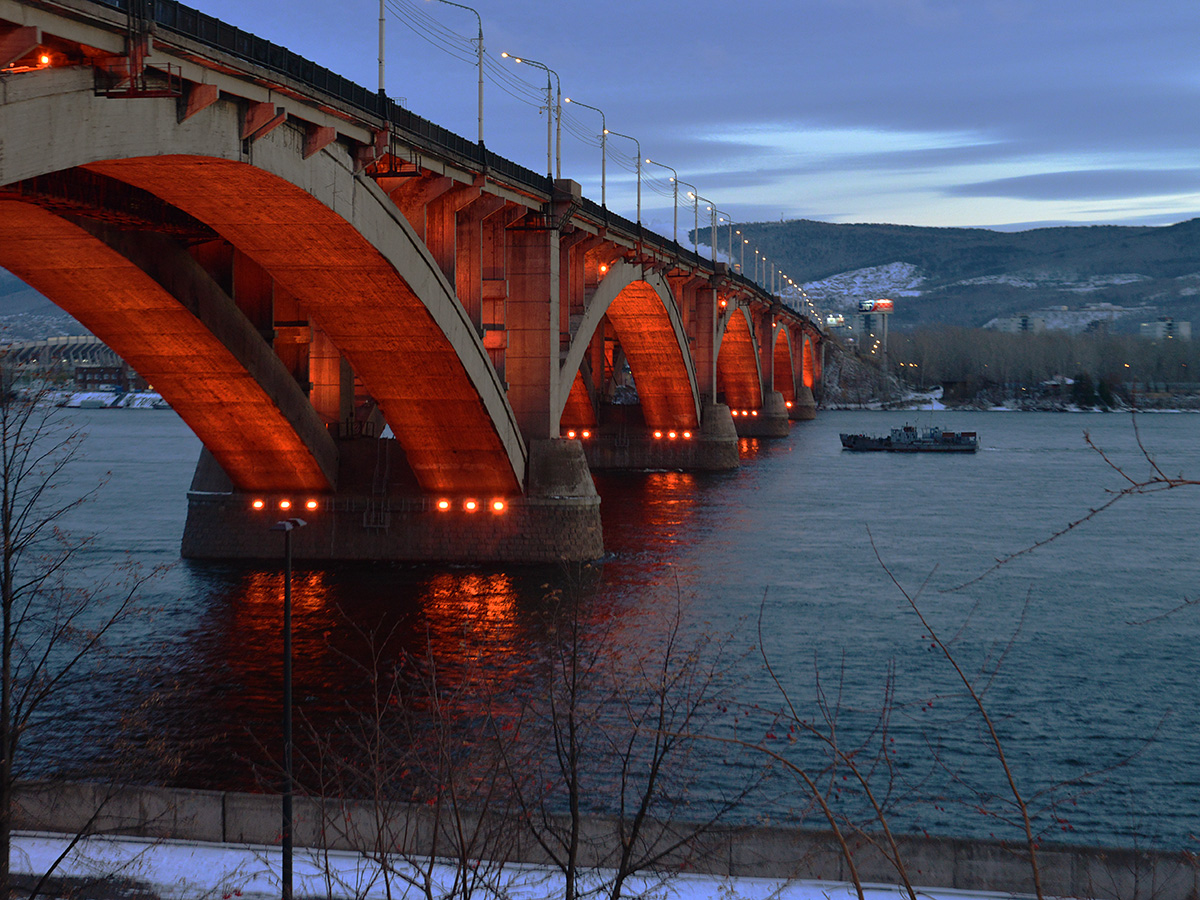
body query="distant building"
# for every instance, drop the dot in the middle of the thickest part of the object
(1167, 327)
(1019, 324)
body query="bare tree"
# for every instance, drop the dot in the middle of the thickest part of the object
(625, 729)
(52, 624)
(409, 779)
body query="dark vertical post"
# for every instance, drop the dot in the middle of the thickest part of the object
(287, 712)
(287, 527)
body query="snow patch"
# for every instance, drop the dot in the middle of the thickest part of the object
(1057, 281)
(844, 290)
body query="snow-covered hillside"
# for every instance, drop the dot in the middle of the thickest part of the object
(843, 291)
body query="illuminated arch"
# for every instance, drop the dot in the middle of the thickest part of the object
(739, 376)
(206, 361)
(330, 238)
(783, 366)
(647, 322)
(810, 371)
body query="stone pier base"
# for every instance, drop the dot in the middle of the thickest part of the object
(713, 448)
(770, 421)
(558, 519)
(804, 407)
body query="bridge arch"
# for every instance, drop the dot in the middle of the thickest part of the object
(784, 367)
(739, 375)
(647, 322)
(202, 356)
(328, 237)
(811, 367)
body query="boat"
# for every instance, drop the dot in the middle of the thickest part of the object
(908, 439)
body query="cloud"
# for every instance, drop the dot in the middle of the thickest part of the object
(1087, 184)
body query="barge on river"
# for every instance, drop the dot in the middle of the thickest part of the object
(909, 440)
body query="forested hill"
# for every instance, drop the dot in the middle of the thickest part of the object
(967, 276)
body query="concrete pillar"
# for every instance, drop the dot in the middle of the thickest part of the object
(633, 445)
(764, 336)
(378, 513)
(253, 291)
(441, 227)
(415, 194)
(804, 407)
(699, 301)
(494, 286)
(770, 420)
(531, 325)
(292, 336)
(468, 241)
(332, 393)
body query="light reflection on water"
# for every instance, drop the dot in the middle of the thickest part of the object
(787, 535)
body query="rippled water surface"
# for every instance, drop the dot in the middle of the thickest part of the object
(1095, 684)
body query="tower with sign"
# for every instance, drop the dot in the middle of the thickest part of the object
(873, 316)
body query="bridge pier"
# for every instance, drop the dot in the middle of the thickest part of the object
(804, 407)
(634, 445)
(771, 420)
(379, 514)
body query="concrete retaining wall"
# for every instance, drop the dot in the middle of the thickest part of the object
(225, 817)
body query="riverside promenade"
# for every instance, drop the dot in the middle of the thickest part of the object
(248, 826)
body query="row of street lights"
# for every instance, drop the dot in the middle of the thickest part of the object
(554, 103)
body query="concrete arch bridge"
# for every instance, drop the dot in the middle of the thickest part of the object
(352, 306)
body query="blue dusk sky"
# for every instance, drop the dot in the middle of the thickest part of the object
(996, 113)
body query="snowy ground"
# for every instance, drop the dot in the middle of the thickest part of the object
(190, 871)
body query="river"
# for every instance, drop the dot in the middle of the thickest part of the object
(1094, 686)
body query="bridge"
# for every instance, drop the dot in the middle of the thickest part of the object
(357, 312)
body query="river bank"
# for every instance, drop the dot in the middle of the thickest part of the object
(227, 842)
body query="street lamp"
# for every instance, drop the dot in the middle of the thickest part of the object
(638, 144)
(555, 152)
(675, 185)
(694, 193)
(603, 146)
(728, 218)
(287, 526)
(712, 224)
(479, 40)
(381, 23)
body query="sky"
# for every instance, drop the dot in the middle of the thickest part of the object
(996, 113)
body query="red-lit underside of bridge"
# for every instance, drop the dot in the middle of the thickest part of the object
(291, 275)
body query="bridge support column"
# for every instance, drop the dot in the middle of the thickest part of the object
(531, 365)
(804, 407)
(632, 445)
(769, 421)
(557, 520)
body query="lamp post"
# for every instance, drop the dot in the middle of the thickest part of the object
(675, 202)
(287, 526)
(712, 224)
(728, 218)
(637, 144)
(603, 147)
(381, 21)
(694, 193)
(552, 152)
(479, 41)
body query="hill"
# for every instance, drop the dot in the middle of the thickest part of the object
(26, 315)
(956, 276)
(968, 276)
